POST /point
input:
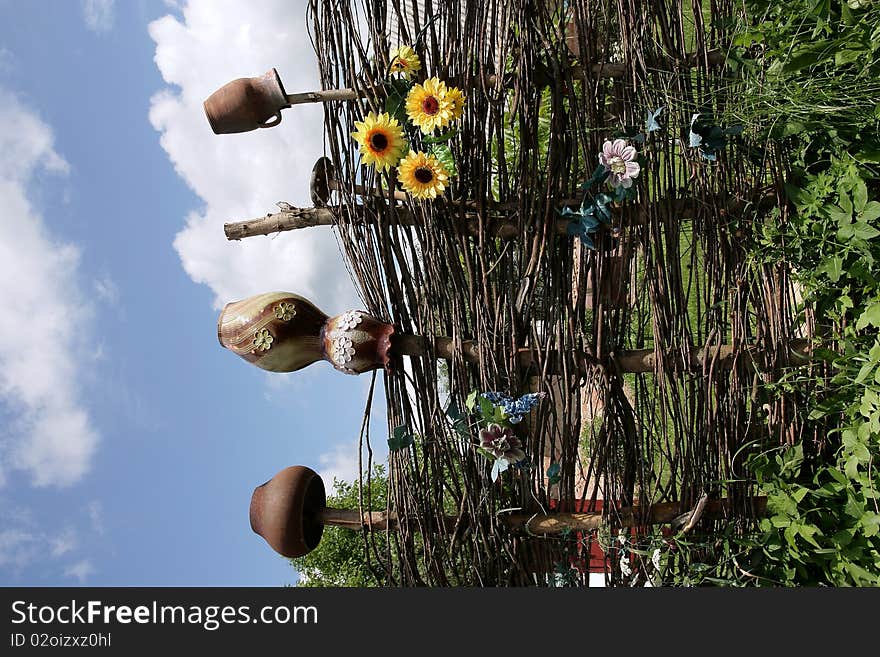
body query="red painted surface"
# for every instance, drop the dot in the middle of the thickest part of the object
(591, 557)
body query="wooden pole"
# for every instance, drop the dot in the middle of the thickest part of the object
(551, 523)
(602, 70)
(503, 227)
(637, 360)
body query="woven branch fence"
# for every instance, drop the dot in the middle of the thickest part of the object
(546, 83)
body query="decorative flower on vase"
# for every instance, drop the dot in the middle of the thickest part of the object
(502, 444)
(347, 321)
(262, 340)
(285, 311)
(405, 60)
(343, 349)
(619, 159)
(428, 105)
(381, 140)
(422, 175)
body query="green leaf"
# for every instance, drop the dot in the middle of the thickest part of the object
(401, 438)
(453, 412)
(871, 316)
(865, 231)
(800, 197)
(443, 153)
(439, 139)
(780, 521)
(553, 474)
(840, 214)
(471, 401)
(848, 56)
(749, 37)
(807, 532)
(395, 103)
(459, 420)
(852, 467)
(871, 522)
(861, 452)
(487, 409)
(860, 575)
(866, 370)
(832, 266)
(843, 537)
(870, 212)
(799, 494)
(860, 195)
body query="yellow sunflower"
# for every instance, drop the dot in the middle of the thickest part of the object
(405, 60)
(381, 140)
(456, 99)
(422, 175)
(428, 106)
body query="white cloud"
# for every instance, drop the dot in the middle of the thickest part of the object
(340, 463)
(241, 176)
(81, 570)
(98, 14)
(63, 543)
(107, 290)
(96, 516)
(45, 326)
(24, 544)
(18, 548)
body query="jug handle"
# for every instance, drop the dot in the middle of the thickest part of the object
(273, 123)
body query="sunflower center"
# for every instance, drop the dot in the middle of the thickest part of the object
(424, 175)
(379, 141)
(430, 105)
(617, 165)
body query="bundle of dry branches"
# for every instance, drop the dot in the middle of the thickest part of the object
(546, 84)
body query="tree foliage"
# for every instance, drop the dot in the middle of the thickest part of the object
(340, 560)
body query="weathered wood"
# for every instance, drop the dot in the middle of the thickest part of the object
(549, 523)
(503, 227)
(602, 70)
(354, 519)
(657, 514)
(280, 221)
(296, 218)
(638, 360)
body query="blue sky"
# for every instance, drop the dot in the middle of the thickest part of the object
(130, 441)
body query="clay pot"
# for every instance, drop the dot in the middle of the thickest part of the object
(283, 332)
(276, 331)
(285, 511)
(246, 104)
(355, 342)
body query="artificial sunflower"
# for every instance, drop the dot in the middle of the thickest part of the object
(428, 105)
(405, 60)
(456, 99)
(422, 175)
(381, 140)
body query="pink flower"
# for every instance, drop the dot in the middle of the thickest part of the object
(619, 159)
(502, 443)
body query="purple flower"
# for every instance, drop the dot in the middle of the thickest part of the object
(619, 159)
(502, 443)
